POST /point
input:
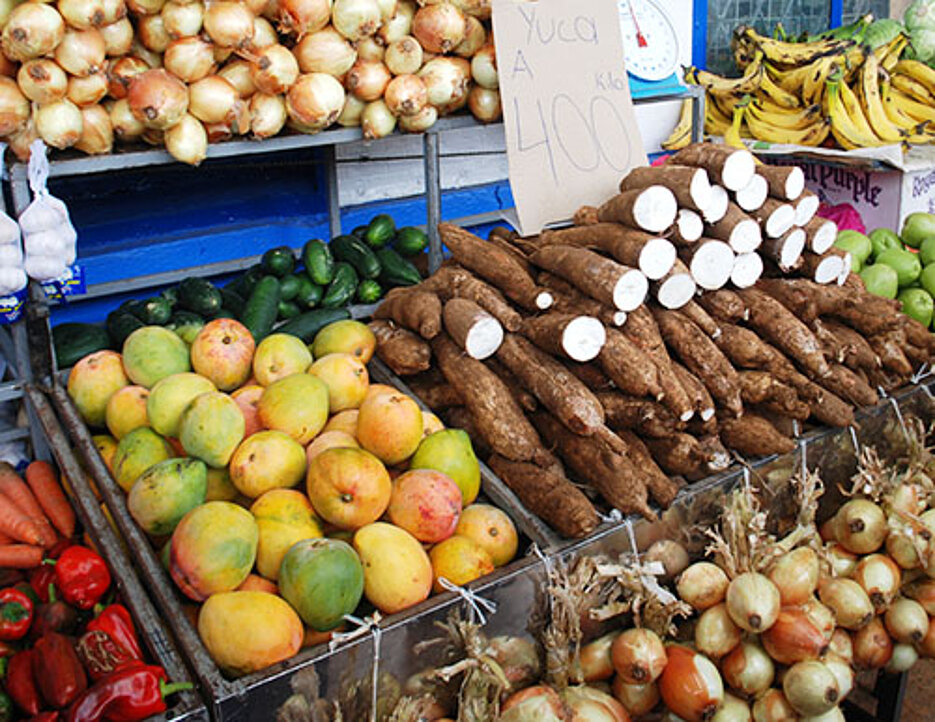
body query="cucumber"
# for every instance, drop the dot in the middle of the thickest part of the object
(259, 315)
(279, 261)
(369, 291)
(319, 263)
(249, 280)
(287, 310)
(380, 231)
(186, 325)
(311, 322)
(309, 294)
(411, 241)
(396, 270)
(289, 287)
(121, 324)
(351, 249)
(73, 341)
(360, 232)
(135, 307)
(232, 301)
(199, 296)
(224, 313)
(171, 295)
(156, 311)
(342, 288)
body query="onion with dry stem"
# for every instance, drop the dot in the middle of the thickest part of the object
(403, 56)
(275, 69)
(264, 34)
(795, 575)
(182, 20)
(672, 555)
(14, 107)
(314, 101)
(773, 707)
(326, 51)
(145, 7)
(387, 9)
(59, 124)
(398, 26)
(42, 81)
(445, 80)
(638, 656)
(356, 19)
(367, 80)
(120, 74)
(880, 577)
(843, 562)
(794, 637)
(637, 699)
(81, 52)
(229, 24)
(239, 73)
(97, 134)
(213, 99)
(88, 90)
(690, 684)
(118, 37)
(873, 647)
(351, 112)
(906, 621)
(157, 99)
(595, 659)
(811, 688)
(376, 120)
(485, 104)
(848, 600)
(302, 17)
(126, 125)
(420, 122)
(189, 59)
(82, 14)
(748, 669)
(405, 95)
(138, 50)
(267, 115)
(702, 585)
(860, 526)
(475, 37)
(715, 632)
(369, 49)
(114, 10)
(152, 33)
(32, 30)
(187, 140)
(439, 28)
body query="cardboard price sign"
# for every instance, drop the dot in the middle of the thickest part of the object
(571, 133)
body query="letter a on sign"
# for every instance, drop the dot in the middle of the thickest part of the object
(571, 134)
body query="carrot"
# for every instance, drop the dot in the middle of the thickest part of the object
(14, 523)
(20, 556)
(42, 480)
(14, 488)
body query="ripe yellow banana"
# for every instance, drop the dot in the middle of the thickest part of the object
(913, 108)
(732, 136)
(914, 131)
(712, 82)
(790, 80)
(872, 105)
(714, 122)
(913, 88)
(888, 54)
(918, 71)
(854, 110)
(848, 135)
(681, 135)
(779, 51)
(779, 95)
(814, 85)
(784, 118)
(810, 135)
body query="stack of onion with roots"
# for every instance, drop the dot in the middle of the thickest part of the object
(185, 73)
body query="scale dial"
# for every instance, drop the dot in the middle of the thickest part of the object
(650, 44)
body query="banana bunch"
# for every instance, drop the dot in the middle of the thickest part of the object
(830, 88)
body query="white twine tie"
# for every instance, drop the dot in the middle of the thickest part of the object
(648, 571)
(475, 602)
(615, 517)
(854, 440)
(803, 446)
(367, 625)
(899, 417)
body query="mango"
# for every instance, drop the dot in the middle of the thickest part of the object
(256, 583)
(346, 378)
(280, 355)
(151, 353)
(345, 421)
(329, 440)
(126, 410)
(397, 571)
(450, 452)
(284, 517)
(430, 424)
(211, 428)
(91, 383)
(267, 460)
(136, 452)
(166, 492)
(348, 487)
(426, 503)
(248, 399)
(492, 530)
(107, 447)
(248, 631)
(348, 336)
(460, 561)
(213, 549)
(220, 486)
(170, 397)
(389, 426)
(323, 580)
(223, 352)
(297, 405)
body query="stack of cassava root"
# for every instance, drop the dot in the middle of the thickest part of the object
(544, 350)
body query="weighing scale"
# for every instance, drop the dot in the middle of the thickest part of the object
(651, 47)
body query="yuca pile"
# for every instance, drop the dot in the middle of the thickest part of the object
(586, 353)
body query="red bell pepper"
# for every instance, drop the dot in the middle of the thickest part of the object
(9, 577)
(42, 580)
(57, 670)
(130, 694)
(15, 614)
(52, 716)
(53, 616)
(115, 621)
(101, 655)
(21, 684)
(81, 576)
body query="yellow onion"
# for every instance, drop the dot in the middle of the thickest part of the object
(14, 107)
(8, 67)
(387, 9)
(267, 115)
(369, 49)
(213, 100)
(187, 140)
(923, 591)
(222, 55)
(257, 7)
(114, 10)
(900, 547)
(843, 674)
(702, 585)
(904, 658)
(439, 28)
(376, 120)
(480, 9)
(811, 688)
(795, 575)
(475, 37)
(152, 33)
(59, 124)
(97, 134)
(848, 600)
(485, 104)
(841, 645)
(860, 526)
(715, 632)
(517, 657)
(541, 703)
(827, 530)
(301, 17)
(872, 646)
(182, 20)
(398, 26)
(145, 7)
(264, 34)
(271, 12)
(880, 577)
(275, 69)
(748, 669)
(189, 59)
(326, 51)
(356, 19)
(120, 74)
(773, 707)
(794, 637)
(6, 7)
(118, 37)
(638, 656)
(420, 122)
(153, 60)
(405, 95)
(690, 684)
(87, 91)
(843, 563)
(672, 556)
(351, 112)
(153, 136)
(445, 79)
(592, 705)
(733, 709)
(82, 14)
(595, 659)
(753, 602)
(42, 81)
(315, 101)
(484, 67)
(32, 30)
(21, 141)
(637, 699)
(821, 616)
(832, 715)
(455, 105)
(229, 24)
(81, 52)
(927, 645)
(906, 621)
(367, 80)
(403, 56)
(157, 99)
(218, 132)
(126, 126)
(239, 73)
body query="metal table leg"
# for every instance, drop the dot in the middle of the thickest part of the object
(433, 198)
(24, 373)
(698, 101)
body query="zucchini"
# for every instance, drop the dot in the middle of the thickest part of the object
(309, 294)
(224, 313)
(259, 315)
(121, 324)
(380, 231)
(351, 249)
(342, 288)
(199, 296)
(171, 295)
(311, 322)
(396, 270)
(411, 241)
(156, 311)
(360, 232)
(319, 263)
(135, 307)
(369, 291)
(73, 341)
(287, 310)
(232, 301)
(289, 287)
(279, 261)
(249, 279)
(186, 325)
